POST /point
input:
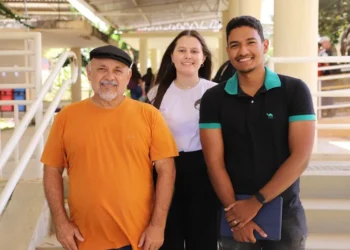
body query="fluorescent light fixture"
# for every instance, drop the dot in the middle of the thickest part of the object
(88, 12)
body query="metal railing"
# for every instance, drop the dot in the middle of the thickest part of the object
(40, 129)
(329, 93)
(32, 70)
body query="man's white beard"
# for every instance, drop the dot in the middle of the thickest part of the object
(108, 95)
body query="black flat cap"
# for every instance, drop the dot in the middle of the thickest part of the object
(111, 52)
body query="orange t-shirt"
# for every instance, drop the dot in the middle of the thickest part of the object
(108, 154)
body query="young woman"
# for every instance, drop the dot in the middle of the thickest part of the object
(148, 79)
(180, 84)
(135, 84)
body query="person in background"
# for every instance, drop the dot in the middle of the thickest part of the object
(181, 82)
(148, 79)
(135, 85)
(225, 72)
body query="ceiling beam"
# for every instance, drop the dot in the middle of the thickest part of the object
(43, 5)
(52, 13)
(218, 7)
(162, 34)
(37, 2)
(97, 2)
(141, 12)
(225, 3)
(83, 5)
(181, 10)
(122, 13)
(213, 16)
(143, 6)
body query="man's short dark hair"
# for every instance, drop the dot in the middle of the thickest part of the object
(242, 21)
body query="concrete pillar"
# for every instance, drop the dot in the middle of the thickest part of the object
(76, 87)
(301, 18)
(143, 55)
(233, 9)
(237, 8)
(155, 61)
(216, 58)
(250, 7)
(299, 39)
(223, 40)
(244, 7)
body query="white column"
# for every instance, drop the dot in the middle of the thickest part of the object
(143, 55)
(250, 7)
(223, 40)
(155, 60)
(296, 34)
(244, 7)
(237, 8)
(233, 8)
(76, 87)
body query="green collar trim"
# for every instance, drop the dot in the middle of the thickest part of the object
(271, 81)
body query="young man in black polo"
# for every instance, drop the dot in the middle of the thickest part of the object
(257, 133)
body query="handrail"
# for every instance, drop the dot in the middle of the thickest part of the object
(324, 59)
(17, 173)
(329, 93)
(32, 75)
(332, 77)
(20, 129)
(319, 59)
(341, 66)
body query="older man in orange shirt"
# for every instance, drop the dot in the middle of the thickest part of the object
(109, 145)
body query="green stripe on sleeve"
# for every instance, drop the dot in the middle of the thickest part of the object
(296, 118)
(209, 125)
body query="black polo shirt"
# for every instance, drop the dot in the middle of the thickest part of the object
(255, 129)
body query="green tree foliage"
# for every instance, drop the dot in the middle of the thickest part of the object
(334, 17)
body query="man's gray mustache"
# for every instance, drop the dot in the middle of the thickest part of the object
(106, 82)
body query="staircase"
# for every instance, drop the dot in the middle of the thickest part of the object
(50, 242)
(325, 193)
(24, 213)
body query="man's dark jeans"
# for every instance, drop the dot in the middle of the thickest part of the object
(294, 234)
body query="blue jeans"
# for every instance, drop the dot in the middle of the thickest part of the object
(122, 248)
(293, 237)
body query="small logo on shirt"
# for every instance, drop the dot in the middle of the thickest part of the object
(269, 116)
(197, 104)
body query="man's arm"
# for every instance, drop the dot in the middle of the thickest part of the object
(213, 149)
(153, 236)
(164, 191)
(301, 140)
(53, 186)
(66, 231)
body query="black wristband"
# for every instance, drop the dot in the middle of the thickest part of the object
(260, 198)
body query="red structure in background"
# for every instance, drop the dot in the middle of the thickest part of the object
(6, 94)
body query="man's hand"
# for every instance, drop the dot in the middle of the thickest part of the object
(152, 238)
(246, 233)
(239, 213)
(66, 234)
